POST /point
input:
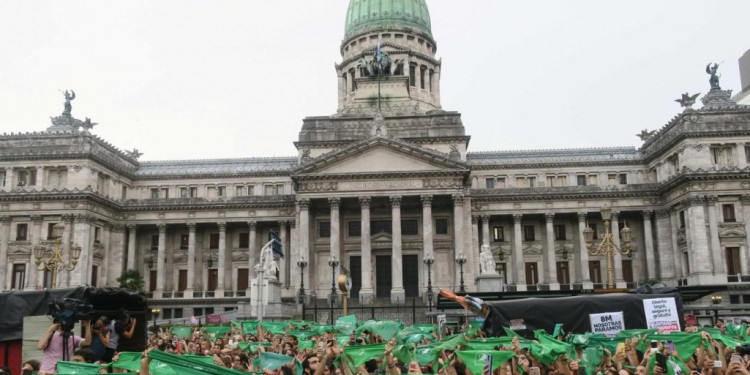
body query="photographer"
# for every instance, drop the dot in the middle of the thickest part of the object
(122, 327)
(100, 338)
(59, 344)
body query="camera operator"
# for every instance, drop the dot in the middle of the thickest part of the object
(122, 327)
(52, 345)
(99, 338)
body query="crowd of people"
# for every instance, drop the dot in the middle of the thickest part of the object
(351, 347)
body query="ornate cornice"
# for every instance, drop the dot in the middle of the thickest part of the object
(663, 213)
(564, 193)
(36, 219)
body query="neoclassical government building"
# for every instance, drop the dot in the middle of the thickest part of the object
(383, 183)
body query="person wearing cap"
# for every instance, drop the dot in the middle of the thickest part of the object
(100, 337)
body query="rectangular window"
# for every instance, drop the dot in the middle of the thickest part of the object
(250, 190)
(595, 228)
(500, 183)
(581, 178)
(324, 229)
(165, 193)
(528, 233)
(244, 241)
(379, 226)
(154, 241)
(182, 281)
(183, 192)
(178, 313)
(243, 274)
(595, 271)
(270, 189)
(612, 179)
(728, 212)
(213, 241)
(497, 234)
(432, 74)
(22, 232)
(421, 77)
(733, 260)
(184, 240)
(560, 232)
(627, 270)
(154, 193)
(563, 273)
(240, 191)
(355, 228)
(623, 178)
(532, 181)
(193, 192)
(441, 226)
(721, 155)
(19, 276)
(166, 314)
(47, 282)
(489, 183)
(747, 155)
(23, 178)
(686, 262)
(412, 75)
(222, 191)
(97, 235)
(51, 231)
(409, 227)
(2, 179)
(682, 219)
(734, 299)
(94, 275)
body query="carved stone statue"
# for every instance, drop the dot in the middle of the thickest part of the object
(687, 100)
(68, 97)
(88, 125)
(380, 66)
(714, 80)
(270, 267)
(487, 261)
(645, 134)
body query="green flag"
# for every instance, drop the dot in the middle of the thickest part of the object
(301, 335)
(272, 361)
(386, 329)
(476, 359)
(182, 332)
(359, 354)
(187, 365)
(510, 332)
(306, 344)
(676, 367)
(346, 324)
(249, 326)
(684, 343)
(76, 368)
(591, 358)
(130, 361)
(216, 332)
(275, 327)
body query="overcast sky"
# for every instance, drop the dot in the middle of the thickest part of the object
(214, 79)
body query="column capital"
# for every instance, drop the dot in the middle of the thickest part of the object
(550, 216)
(615, 215)
(474, 219)
(745, 199)
(694, 201)
(660, 214)
(647, 214)
(117, 228)
(83, 218)
(68, 218)
(36, 219)
(162, 227)
(711, 199)
(5, 219)
(582, 216)
(283, 223)
(334, 202)
(222, 226)
(303, 204)
(458, 199)
(292, 223)
(395, 200)
(426, 199)
(485, 217)
(130, 227)
(191, 226)
(517, 218)
(364, 201)
(253, 225)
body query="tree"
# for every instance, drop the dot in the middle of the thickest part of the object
(131, 280)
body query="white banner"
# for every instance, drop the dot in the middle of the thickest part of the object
(607, 323)
(661, 313)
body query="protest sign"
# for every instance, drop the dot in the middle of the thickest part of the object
(607, 323)
(661, 313)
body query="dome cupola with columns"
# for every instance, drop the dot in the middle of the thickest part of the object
(410, 84)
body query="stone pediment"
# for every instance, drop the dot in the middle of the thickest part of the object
(381, 237)
(381, 155)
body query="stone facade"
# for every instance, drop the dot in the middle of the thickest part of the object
(380, 190)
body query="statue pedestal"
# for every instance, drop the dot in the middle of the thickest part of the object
(489, 282)
(270, 300)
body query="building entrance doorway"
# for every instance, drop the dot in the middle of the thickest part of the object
(383, 276)
(410, 269)
(355, 271)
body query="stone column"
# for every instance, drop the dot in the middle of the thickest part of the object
(4, 245)
(36, 239)
(475, 246)
(398, 295)
(161, 250)
(551, 259)
(427, 234)
(222, 266)
(82, 237)
(716, 251)
(116, 252)
(103, 274)
(648, 240)
(131, 247)
(252, 251)
(741, 156)
(518, 265)
(436, 88)
(293, 255)
(458, 229)
(680, 267)
(583, 254)
(617, 259)
(698, 242)
(283, 266)
(40, 180)
(190, 287)
(63, 277)
(486, 230)
(334, 203)
(367, 292)
(304, 239)
(745, 199)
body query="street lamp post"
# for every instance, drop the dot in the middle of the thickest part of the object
(607, 246)
(429, 260)
(155, 312)
(302, 263)
(55, 262)
(461, 260)
(333, 262)
(716, 300)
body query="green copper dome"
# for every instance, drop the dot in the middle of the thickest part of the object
(364, 15)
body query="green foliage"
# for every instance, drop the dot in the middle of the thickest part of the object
(653, 282)
(131, 280)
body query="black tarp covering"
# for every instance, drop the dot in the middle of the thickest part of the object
(573, 312)
(14, 306)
